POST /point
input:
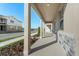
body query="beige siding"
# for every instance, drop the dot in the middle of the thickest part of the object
(71, 22)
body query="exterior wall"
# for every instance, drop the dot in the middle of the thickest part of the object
(2, 28)
(16, 22)
(56, 23)
(12, 24)
(48, 27)
(11, 28)
(57, 20)
(71, 22)
(3, 20)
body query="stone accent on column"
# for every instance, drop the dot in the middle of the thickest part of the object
(67, 42)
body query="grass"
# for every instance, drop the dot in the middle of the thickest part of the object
(12, 37)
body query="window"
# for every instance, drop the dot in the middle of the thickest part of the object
(11, 21)
(1, 20)
(61, 25)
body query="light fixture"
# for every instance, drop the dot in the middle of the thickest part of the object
(48, 5)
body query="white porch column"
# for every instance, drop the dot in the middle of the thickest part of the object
(26, 29)
(41, 33)
(0, 27)
(51, 27)
(43, 25)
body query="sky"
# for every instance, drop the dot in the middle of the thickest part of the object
(13, 9)
(17, 10)
(35, 19)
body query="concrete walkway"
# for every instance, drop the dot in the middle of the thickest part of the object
(47, 47)
(10, 41)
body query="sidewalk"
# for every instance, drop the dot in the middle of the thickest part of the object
(10, 41)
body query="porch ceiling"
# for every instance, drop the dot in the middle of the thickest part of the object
(47, 11)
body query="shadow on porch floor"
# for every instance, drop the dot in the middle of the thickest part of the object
(47, 47)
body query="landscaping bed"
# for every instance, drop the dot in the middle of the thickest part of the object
(16, 48)
(13, 49)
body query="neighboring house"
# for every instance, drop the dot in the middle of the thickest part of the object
(10, 24)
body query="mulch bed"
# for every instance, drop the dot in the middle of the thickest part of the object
(15, 49)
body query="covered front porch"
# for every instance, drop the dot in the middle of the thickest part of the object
(50, 42)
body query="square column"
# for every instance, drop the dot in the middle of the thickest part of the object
(42, 29)
(27, 43)
(0, 27)
(41, 33)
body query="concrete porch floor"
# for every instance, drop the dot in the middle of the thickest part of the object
(47, 46)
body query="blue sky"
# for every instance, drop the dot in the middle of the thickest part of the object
(35, 19)
(13, 9)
